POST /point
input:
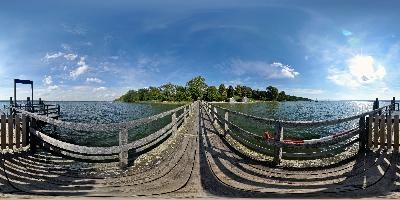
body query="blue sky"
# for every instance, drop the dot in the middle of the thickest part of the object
(97, 50)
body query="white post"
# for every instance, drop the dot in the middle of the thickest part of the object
(215, 114)
(278, 150)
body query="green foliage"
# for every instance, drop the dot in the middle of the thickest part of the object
(212, 94)
(197, 87)
(238, 91)
(222, 92)
(272, 93)
(230, 92)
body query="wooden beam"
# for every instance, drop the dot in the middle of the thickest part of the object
(396, 132)
(3, 132)
(389, 131)
(382, 131)
(17, 131)
(370, 127)
(376, 130)
(10, 132)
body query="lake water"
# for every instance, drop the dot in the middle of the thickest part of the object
(300, 111)
(109, 112)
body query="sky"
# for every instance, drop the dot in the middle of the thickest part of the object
(98, 49)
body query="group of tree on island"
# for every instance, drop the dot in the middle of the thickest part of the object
(198, 89)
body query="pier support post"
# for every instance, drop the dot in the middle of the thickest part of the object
(174, 124)
(278, 134)
(363, 135)
(123, 155)
(226, 128)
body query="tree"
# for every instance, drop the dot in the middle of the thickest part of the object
(282, 96)
(182, 94)
(197, 87)
(168, 92)
(230, 92)
(222, 92)
(238, 91)
(247, 91)
(272, 93)
(212, 94)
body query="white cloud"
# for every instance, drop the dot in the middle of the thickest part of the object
(70, 56)
(360, 70)
(47, 80)
(48, 56)
(274, 70)
(81, 69)
(94, 80)
(99, 89)
(52, 87)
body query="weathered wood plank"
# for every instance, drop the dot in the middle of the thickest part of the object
(396, 132)
(370, 128)
(389, 131)
(226, 119)
(17, 131)
(10, 132)
(24, 130)
(382, 131)
(3, 132)
(376, 130)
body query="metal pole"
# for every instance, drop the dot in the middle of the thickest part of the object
(15, 92)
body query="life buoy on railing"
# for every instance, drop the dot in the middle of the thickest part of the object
(269, 137)
(277, 139)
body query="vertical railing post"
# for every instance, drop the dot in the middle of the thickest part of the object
(382, 129)
(226, 128)
(3, 132)
(363, 135)
(184, 114)
(10, 132)
(25, 130)
(17, 131)
(215, 114)
(278, 134)
(32, 139)
(389, 131)
(123, 155)
(376, 130)
(396, 133)
(369, 128)
(174, 124)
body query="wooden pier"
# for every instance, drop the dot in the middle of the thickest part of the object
(202, 152)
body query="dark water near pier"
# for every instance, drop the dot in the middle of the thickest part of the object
(111, 112)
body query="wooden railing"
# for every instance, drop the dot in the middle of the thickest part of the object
(106, 153)
(276, 146)
(14, 132)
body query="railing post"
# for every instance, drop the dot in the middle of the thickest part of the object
(369, 128)
(382, 129)
(389, 131)
(17, 131)
(376, 130)
(32, 139)
(184, 114)
(25, 130)
(396, 133)
(363, 135)
(123, 155)
(3, 132)
(10, 132)
(174, 124)
(226, 128)
(215, 114)
(278, 134)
